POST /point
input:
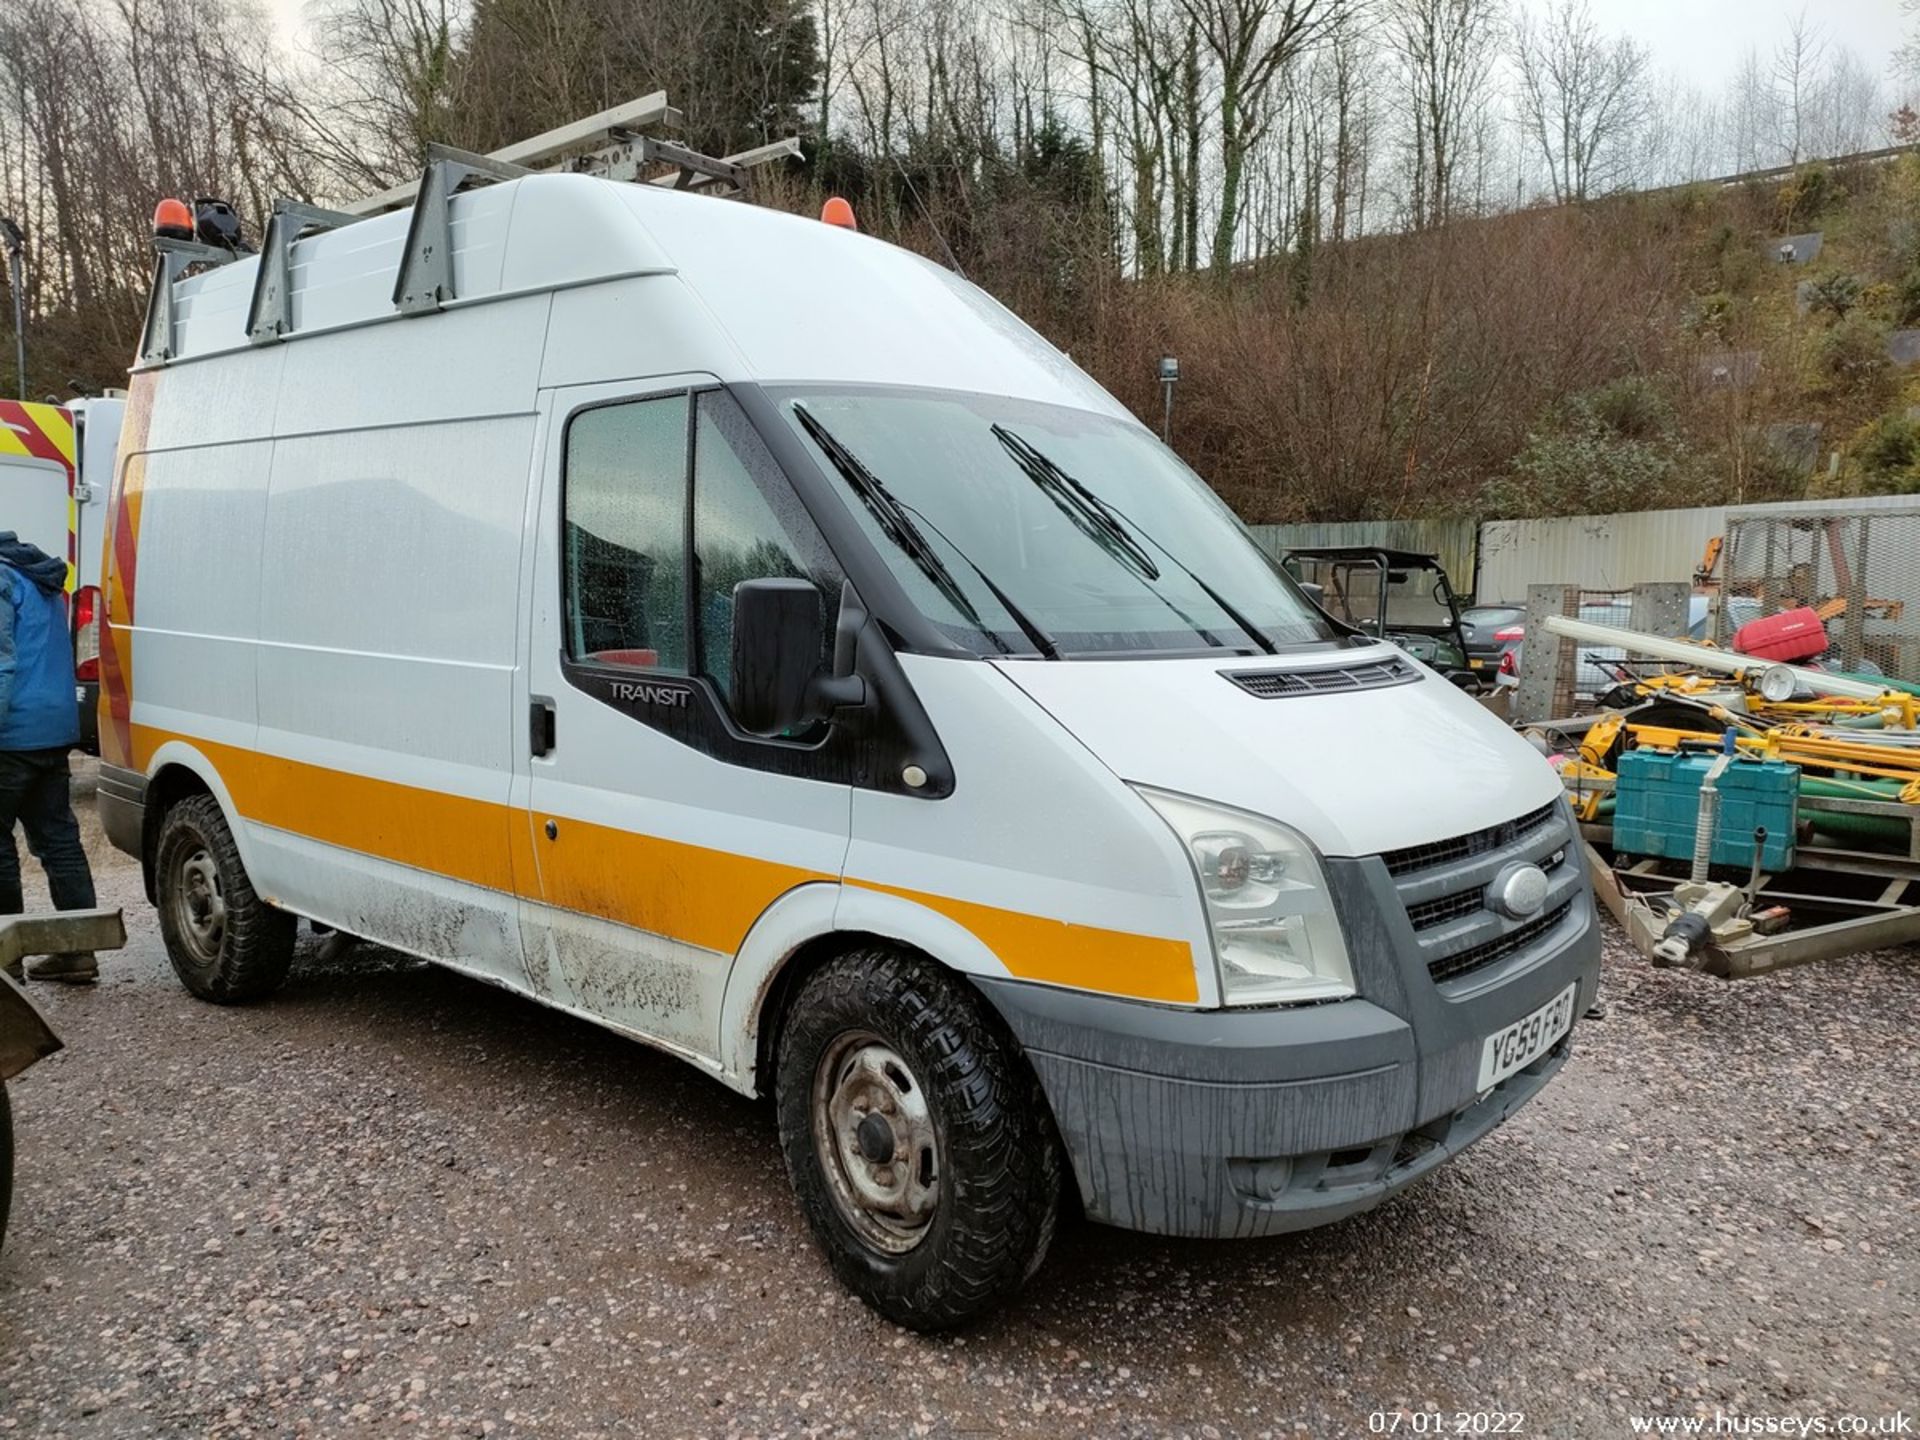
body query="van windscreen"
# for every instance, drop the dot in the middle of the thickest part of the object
(1034, 530)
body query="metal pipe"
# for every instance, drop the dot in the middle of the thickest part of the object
(1701, 657)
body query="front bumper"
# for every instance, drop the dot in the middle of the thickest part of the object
(1238, 1123)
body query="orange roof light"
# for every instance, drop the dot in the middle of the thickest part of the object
(838, 212)
(172, 220)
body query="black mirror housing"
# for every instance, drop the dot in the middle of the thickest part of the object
(779, 635)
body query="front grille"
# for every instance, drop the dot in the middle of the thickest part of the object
(1443, 886)
(1463, 847)
(1325, 679)
(1429, 913)
(1466, 962)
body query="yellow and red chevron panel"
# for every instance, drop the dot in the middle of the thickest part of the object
(118, 573)
(45, 432)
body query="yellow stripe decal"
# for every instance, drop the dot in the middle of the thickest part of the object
(689, 893)
(1084, 957)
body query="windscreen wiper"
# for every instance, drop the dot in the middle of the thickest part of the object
(1081, 505)
(1032, 459)
(896, 520)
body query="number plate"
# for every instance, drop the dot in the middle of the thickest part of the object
(1526, 1039)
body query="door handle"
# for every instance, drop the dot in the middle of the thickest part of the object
(540, 725)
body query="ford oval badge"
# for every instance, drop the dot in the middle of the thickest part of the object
(1518, 891)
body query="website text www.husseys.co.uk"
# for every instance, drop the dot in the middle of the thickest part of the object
(1723, 1423)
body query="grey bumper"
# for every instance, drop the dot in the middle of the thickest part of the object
(1240, 1123)
(122, 802)
(86, 699)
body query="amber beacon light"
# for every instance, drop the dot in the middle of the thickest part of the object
(172, 220)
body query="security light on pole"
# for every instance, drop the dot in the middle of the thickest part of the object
(1169, 377)
(15, 239)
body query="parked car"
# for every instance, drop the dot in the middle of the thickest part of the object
(1598, 668)
(747, 635)
(1488, 631)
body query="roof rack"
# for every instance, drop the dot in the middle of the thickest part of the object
(608, 145)
(170, 261)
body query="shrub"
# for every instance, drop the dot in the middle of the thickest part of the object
(1711, 316)
(1632, 407)
(1906, 298)
(1851, 358)
(1809, 194)
(1771, 472)
(1834, 294)
(1585, 473)
(1604, 450)
(1741, 267)
(1887, 455)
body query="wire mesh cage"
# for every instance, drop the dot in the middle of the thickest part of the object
(1859, 570)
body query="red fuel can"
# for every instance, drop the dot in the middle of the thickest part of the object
(1791, 635)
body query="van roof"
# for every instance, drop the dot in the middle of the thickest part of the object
(788, 298)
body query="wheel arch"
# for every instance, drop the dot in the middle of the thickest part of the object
(804, 929)
(179, 770)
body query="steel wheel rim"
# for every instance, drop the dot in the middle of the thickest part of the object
(199, 905)
(866, 1100)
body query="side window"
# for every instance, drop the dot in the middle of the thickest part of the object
(624, 503)
(738, 533)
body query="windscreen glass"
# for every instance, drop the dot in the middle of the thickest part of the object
(1023, 529)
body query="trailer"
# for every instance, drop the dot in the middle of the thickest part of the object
(1833, 865)
(25, 1036)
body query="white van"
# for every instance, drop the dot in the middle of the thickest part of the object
(747, 635)
(56, 467)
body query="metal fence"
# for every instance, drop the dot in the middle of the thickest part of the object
(1601, 552)
(1856, 564)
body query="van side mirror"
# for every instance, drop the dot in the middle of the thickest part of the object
(779, 633)
(1315, 592)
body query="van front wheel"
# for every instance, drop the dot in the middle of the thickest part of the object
(916, 1138)
(227, 945)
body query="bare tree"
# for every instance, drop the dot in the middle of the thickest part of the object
(1252, 43)
(393, 71)
(1797, 76)
(1446, 50)
(1852, 107)
(1583, 97)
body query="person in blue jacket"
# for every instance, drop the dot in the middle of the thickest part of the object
(39, 724)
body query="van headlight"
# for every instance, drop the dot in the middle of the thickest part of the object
(1275, 936)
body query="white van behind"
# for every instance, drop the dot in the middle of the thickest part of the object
(749, 636)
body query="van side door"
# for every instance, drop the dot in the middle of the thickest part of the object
(659, 831)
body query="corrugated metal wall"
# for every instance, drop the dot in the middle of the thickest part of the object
(1601, 552)
(1451, 540)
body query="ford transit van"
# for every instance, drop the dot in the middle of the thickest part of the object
(746, 635)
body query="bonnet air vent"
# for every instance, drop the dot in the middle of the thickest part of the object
(1325, 680)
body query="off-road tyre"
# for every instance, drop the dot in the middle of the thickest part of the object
(1000, 1163)
(6, 1161)
(248, 957)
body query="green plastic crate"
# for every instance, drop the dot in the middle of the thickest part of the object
(1657, 804)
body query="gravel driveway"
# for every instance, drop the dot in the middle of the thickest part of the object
(392, 1199)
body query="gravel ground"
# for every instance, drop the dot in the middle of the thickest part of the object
(392, 1198)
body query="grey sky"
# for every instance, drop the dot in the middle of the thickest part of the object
(1700, 41)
